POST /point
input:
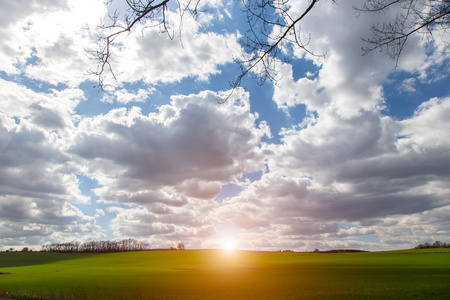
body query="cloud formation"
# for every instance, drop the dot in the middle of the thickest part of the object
(134, 162)
(190, 145)
(172, 162)
(347, 162)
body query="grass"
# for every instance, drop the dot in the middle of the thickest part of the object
(218, 274)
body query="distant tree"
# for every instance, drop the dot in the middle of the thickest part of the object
(436, 244)
(316, 250)
(25, 249)
(97, 246)
(180, 246)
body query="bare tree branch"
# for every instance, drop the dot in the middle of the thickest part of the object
(414, 15)
(138, 11)
(272, 29)
(261, 43)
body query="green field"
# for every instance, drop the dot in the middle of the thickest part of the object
(219, 274)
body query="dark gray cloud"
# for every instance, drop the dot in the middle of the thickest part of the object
(28, 161)
(47, 118)
(190, 152)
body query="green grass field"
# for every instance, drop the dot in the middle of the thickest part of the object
(219, 274)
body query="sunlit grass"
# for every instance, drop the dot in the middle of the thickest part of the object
(223, 274)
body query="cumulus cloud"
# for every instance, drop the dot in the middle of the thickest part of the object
(356, 171)
(172, 162)
(15, 47)
(47, 42)
(38, 182)
(38, 187)
(155, 58)
(124, 96)
(162, 230)
(50, 42)
(191, 145)
(52, 111)
(27, 152)
(347, 80)
(187, 49)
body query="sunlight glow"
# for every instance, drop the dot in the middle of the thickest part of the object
(228, 244)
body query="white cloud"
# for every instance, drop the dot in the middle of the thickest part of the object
(346, 80)
(47, 42)
(50, 45)
(154, 58)
(124, 96)
(16, 47)
(408, 85)
(99, 213)
(52, 111)
(429, 126)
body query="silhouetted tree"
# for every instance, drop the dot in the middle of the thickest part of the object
(180, 246)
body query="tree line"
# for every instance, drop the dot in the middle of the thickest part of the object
(103, 246)
(436, 244)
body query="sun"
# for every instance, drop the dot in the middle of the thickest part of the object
(228, 244)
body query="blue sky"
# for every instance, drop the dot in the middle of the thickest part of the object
(343, 151)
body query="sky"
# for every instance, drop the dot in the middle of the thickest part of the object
(342, 151)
